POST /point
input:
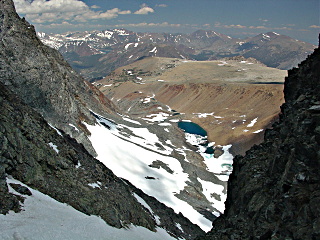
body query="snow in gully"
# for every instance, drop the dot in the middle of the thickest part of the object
(43, 217)
(129, 156)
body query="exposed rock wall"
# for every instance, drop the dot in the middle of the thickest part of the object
(274, 191)
(43, 79)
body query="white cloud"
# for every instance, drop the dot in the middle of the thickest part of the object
(314, 26)
(144, 24)
(239, 26)
(258, 27)
(109, 14)
(68, 25)
(124, 12)
(289, 25)
(95, 6)
(63, 24)
(161, 5)
(43, 6)
(144, 10)
(42, 11)
(234, 26)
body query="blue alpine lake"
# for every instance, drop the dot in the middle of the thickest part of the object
(192, 128)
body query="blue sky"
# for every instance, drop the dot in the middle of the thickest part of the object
(237, 18)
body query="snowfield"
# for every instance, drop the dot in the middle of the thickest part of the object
(129, 156)
(129, 160)
(43, 217)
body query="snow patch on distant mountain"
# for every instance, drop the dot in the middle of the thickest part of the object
(252, 123)
(126, 47)
(50, 41)
(203, 115)
(106, 34)
(154, 50)
(260, 130)
(156, 117)
(121, 32)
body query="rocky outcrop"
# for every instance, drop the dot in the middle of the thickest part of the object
(43, 79)
(274, 191)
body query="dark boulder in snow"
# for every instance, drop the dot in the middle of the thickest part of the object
(21, 189)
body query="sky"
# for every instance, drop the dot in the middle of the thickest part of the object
(299, 19)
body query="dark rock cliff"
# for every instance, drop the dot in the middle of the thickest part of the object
(43, 79)
(274, 191)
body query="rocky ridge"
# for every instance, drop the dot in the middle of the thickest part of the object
(274, 190)
(44, 80)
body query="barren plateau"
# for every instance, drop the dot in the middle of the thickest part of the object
(234, 99)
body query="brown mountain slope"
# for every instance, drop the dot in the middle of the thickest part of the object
(232, 99)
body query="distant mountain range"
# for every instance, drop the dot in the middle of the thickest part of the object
(95, 54)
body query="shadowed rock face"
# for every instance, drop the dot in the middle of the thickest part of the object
(43, 79)
(274, 191)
